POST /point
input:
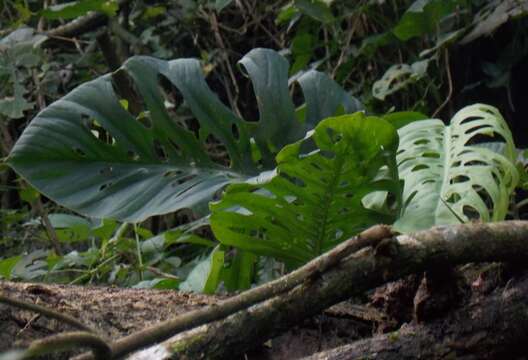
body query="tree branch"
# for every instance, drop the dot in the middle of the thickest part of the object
(69, 340)
(394, 258)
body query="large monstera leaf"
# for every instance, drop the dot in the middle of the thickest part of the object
(88, 153)
(453, 173)
(315, 199)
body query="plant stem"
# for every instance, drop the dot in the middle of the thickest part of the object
(138, 250)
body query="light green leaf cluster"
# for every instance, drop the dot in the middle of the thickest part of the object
(315, 200)
(449, 174)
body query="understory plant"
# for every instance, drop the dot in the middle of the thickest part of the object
(296, 185)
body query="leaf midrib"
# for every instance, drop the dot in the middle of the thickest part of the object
(447, 153)
(328, 198)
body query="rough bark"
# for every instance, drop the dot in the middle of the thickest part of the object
(493, 326)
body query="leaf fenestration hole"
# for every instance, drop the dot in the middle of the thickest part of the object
(453, 198)
(431, 155)
(106, 171)
(422, 142)
(132, 155)
(420, 167)
(459, 179)
(127, 91)
(79, 152)
(235, 132)
(175, 147)
(105, 186)
(172, 173)
(97, 130)
(470, 212)
(182, 180)
(160, 151)
(144, 119)
(217, 150)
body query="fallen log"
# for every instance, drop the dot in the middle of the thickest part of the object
(392, 259)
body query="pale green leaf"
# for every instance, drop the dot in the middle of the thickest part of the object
(397, 77)
(446, 169)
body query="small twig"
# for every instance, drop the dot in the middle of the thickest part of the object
(449, 82)
(52, 234)
(46, 312)
(91, 273)
(233, 99)
(41, 101)
(64, 38)
(138, 253)
(158, 272)
(108, 50)
(458, 217)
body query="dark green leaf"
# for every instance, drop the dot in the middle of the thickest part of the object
(422, 17)
(90, 154)
(14, 106)
(316, 9)
(277, 126)
(75, 9)
(324, 97)
(221, 4)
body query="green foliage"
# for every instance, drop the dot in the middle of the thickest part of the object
(317, 198)
(397, 77)
(19, 53)
(493, 15)
(316, 9)
(121, 163)
(74, 9)
(314, 201)
(88, 153)
(423, 17)
(448, 172)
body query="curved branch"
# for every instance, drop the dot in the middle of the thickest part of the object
(68, 340)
